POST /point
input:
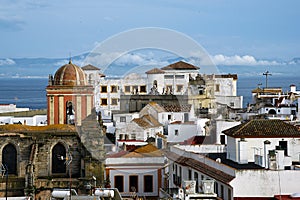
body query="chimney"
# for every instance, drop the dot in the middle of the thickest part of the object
(293, 88)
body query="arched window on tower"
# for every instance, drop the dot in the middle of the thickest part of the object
(70, 113)
(9, 158)
(58, 158)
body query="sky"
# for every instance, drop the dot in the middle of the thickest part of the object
(229, 30)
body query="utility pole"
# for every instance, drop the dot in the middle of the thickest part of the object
(267, 73)
(68, 162)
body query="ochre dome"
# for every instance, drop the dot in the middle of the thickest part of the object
(70, 75)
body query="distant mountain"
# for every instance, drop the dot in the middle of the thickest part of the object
(42, 67)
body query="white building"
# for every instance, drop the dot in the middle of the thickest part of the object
(261, 161)
(137, 173)
(4, 108)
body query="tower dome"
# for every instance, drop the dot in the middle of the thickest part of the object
(69, 75)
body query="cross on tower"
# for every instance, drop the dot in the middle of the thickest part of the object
(267, 73)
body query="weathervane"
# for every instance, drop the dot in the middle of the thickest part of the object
(267, 73)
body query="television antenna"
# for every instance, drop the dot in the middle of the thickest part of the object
(267, 73)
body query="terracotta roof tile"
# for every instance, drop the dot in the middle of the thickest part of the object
(89, 67)
(263, 128)
(180, 66)
(155, 71)
(147, 121)
(177, 108)
(199, 166)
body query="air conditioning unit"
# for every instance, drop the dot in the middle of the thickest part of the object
(208, 186)
(190, 187)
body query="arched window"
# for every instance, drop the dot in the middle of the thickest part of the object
(70, 113)
(58, 159)
(272, 112)
(9, 158)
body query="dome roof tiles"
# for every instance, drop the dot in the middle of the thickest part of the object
(70, 75)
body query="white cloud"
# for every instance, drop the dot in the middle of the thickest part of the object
(7, 61)
(240, 60)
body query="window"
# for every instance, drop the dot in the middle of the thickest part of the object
(58, 158)
(70, 113)
(222, 192)
(169, 76)
(9, 158)
(148, 183)
(169, 89)
(190, 174)
(176, 131)
(231, 104)
(113, 89)
(103, 102)
(127, 88)
(179, 88)
(222, 138)
(114, 101)
(229, 194)
(143, 88)
(119, 183)
(217, 88)
(169, 117)
(133, 183)
(135, 89)
(216, 188)
(122, 119)
(104, 89)
(179, 76)
(133, 136)
(196, 179)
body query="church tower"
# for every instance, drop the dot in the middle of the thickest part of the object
(69, 97)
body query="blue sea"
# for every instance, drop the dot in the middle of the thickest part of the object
(31, 92)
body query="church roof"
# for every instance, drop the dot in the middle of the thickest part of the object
(70, 75)
(263, 128)
(180, 66)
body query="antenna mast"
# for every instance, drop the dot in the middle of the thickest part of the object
(267, 73)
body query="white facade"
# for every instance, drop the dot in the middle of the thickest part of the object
(244, 182)
(4, 108)
(251, 149)
(144, 173)
(180, 132)
(221, 125)
(37, 120)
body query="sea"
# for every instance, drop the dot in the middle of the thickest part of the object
(31, 92)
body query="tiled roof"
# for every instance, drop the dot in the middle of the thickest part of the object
(90, 67)
(157, 107)
(267, 90)
(195, 140)
(145, 151)
(263, 128)
(155, 71)
(177, 108)
(147, 121)
(233, 76)
(180, 66)
(199, 166)
(16, 128)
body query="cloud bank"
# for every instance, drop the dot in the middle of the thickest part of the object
(241, 60)
(7, 61)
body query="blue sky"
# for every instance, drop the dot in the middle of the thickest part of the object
(233, 29)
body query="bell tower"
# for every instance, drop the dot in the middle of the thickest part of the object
(69, 97)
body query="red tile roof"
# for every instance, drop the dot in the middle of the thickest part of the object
(155, 71)
(180, 66)
(90, 67)
(263, 128)
(199, 166)
(147, 121)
